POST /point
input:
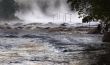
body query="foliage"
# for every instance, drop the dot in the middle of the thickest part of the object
(96, 9)
(7, 9)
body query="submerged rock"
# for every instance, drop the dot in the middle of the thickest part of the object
(11, 36)
(29, 36)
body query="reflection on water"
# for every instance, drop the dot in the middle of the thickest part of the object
(54, 49)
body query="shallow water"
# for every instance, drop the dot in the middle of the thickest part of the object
(54, 49)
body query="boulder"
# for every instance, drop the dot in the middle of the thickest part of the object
(106, 37)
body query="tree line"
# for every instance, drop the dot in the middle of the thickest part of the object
(7, 9)
(91, 10)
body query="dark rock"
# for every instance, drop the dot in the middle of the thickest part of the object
(19, 28)
(11, 36)
(60, 29)
(8, 27)
(47, 28)
(29, 36)
(15, 61)
(94, 31)
(63, 24)
(69, 50)
(106, 37)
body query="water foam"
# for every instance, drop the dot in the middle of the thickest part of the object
(44, 11)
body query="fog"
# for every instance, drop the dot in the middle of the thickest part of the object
(44, 11)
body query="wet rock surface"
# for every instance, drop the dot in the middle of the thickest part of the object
(106, 37)
(53, 49)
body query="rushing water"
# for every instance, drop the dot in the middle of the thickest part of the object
(54, 49)
(44, 11)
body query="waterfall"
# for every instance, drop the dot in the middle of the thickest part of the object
(44, 11)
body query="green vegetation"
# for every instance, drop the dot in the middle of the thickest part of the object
(95, 9)
(7, 9)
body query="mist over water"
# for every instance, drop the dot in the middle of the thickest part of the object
(44, 11)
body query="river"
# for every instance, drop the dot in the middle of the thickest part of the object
(54, 49)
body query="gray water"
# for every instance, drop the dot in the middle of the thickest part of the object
(54, 49)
